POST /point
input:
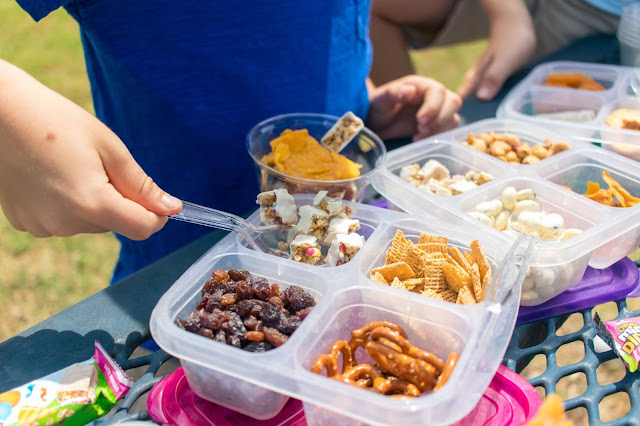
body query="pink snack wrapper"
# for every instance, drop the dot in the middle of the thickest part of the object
(623, 336)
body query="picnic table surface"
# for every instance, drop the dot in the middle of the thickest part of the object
(118, 316)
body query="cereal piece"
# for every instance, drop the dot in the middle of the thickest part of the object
(433, 247)
(432, 270)
(465, 297)
(305, 249)
(400, 270)
(396, 283)
(398, 249)
(449, 295)
(432, 294)
(343, 248)
(313, 221)
(412, 283)
(458, 257)
(377, 277)
(476, 283)
(455, 276)
(341, 226)
(342, 132)
(413, 257)
(430, 238)
(277, 207)
(479, 258)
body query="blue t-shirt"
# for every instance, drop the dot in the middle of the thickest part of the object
(182, 82)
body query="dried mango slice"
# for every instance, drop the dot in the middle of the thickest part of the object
(624, 198)
(592, 187)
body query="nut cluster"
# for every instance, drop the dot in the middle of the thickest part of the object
(508, 147)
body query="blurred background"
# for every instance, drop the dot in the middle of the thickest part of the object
(41, 277)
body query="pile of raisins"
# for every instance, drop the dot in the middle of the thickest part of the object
(247, 312)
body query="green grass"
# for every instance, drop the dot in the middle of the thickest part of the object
(41, 277)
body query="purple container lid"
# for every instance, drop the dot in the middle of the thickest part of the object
(597, 286)
(509, 400)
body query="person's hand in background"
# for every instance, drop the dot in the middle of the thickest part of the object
(512, 43)
(63, 172)
(414, 106)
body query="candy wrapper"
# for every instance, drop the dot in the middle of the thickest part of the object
(623, 336)
(75, 395)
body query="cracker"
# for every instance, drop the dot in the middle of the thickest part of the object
(399, 270)
(458, 257)
(476, 284)
(456, 277)
(479, 258)
(465, 297)
(377, 277)
(430, 238)
(432, 269)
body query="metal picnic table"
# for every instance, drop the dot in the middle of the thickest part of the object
(118, 316)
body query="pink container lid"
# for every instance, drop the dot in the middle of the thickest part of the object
(508, 401)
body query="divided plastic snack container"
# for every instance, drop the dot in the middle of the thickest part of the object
(258, 384)
(529, 98)
(609, 233)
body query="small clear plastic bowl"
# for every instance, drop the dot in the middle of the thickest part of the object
(366, 149)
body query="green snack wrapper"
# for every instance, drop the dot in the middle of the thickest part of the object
(75, 395)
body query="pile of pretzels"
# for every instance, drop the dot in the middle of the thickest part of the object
(400, 369)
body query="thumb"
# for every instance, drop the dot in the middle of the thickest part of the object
(128, 178)
(391, 95)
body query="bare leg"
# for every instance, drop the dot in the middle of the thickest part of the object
(390, 50)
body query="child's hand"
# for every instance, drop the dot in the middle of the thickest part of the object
(512, 43)
(63, 172)
(412, 106)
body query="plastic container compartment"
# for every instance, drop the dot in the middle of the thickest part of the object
(258, 384)
(609, 233)
(529, 98)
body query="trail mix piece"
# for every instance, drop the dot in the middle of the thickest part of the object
(277, 207)
(305, 249)
(245, 311)
(343, 248)
(434, 177)
(508, 147)
(614, 196)
(342, 132)
(435, 270)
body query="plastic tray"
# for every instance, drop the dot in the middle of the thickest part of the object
(609, 233)
(258, 385)
(509, 400)
(622, 85)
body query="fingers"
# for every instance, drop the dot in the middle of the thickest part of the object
(434, 98)
(446, 113)
(128, 178)
(492, 80)
(114, 212)
(474, 75)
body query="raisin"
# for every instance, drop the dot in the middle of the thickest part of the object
(208, 287)
(296, 299)
(234, 325)
(210, 320)
(236, 275)
(276, 301)
(206, 333)
(243, 290)
(220, 276)
(258, 347)
(234, 341)
(274, 337)
(270, 312)
(251, 323)
(262, 290)
(302, 313)
(220, 336)
(228, 299)
(254, 336)
(275, 290)
(293, 322)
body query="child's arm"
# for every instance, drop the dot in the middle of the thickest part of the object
(512, 42)
(63, 172)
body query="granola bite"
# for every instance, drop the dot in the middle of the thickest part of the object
(342, 132)
(313, 221)
(343, 248)
(277, 207)
(341, 226)
(333, 206)
(305, 249)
